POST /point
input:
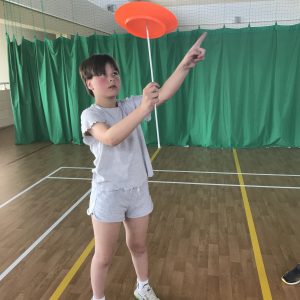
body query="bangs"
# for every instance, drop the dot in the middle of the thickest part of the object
(98, 66)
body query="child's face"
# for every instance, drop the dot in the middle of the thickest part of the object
(106, 85)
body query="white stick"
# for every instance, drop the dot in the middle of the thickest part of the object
(152, 79)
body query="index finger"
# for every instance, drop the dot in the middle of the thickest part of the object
(200, 40)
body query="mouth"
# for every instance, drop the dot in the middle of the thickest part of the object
(112, 87)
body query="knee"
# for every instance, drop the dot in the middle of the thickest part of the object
(101, 261)
(137, 248)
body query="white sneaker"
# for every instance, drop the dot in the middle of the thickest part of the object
(146, 293)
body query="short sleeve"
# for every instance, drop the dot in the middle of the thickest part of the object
(88, 119)
(131, 103)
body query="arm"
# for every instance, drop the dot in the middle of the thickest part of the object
(152, 96)
(173, 83)
(115, 134)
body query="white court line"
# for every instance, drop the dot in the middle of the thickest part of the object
(229, 184)
(200, 183)
(206, 172)
(41, 238)
(69, 178)
(79, 168)
(227, 173)
(26, 190)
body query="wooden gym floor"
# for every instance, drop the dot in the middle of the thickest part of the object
(200, 242)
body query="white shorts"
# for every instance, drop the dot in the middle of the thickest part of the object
(117, 205)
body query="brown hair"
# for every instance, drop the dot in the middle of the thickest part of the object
(95, 66)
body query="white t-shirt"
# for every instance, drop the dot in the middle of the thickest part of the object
(126, 165)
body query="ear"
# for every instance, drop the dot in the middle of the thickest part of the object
(89, 84)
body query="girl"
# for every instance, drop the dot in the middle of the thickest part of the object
(120, 191)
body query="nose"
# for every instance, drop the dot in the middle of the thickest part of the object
(111, 78)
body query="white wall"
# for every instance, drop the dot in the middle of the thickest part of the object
(190, 13)
(6, 116)
(257, 13)
(77, 11)
(3, 56)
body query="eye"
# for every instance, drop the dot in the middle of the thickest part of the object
(116, 74)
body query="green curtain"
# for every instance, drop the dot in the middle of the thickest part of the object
(245, 94)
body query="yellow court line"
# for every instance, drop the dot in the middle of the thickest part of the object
(155, 154)
(263, 280)
(62, 286)
(65, 282)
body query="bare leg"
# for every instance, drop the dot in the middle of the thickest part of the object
(106, 237)
(136, 239)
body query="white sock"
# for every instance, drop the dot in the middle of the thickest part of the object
(94, 298)
(141, 284)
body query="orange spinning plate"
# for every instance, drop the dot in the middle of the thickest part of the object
(134, 17)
